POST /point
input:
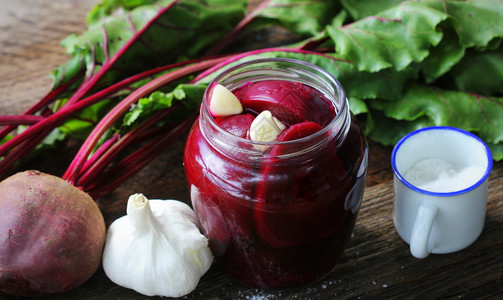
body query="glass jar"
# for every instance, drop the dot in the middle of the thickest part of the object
(278, 214)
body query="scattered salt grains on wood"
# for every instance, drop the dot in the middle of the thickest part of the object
(442, 176)
(260, 295)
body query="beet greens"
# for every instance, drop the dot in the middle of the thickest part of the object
(135, 79)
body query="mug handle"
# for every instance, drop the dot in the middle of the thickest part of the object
(422, 230)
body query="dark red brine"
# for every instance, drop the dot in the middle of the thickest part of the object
(279, 213)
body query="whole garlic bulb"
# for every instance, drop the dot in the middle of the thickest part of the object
(156, 249)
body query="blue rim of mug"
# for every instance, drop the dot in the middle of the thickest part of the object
(442, 194)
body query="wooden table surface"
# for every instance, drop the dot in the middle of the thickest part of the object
(376, 263)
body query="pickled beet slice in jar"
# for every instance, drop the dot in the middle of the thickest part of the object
(292, 205)
(238, 125)
(296, 132)
(290, 102)
(214, 196)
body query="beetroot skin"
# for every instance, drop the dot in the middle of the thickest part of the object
(51, 235)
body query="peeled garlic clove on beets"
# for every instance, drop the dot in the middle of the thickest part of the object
(224, 103)
(157, 248)
(265, 127)
(280, 125)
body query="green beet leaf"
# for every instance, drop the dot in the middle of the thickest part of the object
(443, 57)
(467, 111)
(189, 95)
(470, 24)
(359, 9)
(389, 131)
(496, 151)
(357, 106)
(391, 39)
(167, 33)
(479, 72)
(477, 23)
(83, 122)
(106, 8)
(299, 16)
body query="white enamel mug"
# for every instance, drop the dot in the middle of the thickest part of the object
(447, 221)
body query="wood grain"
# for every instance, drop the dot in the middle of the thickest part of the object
(376, 264)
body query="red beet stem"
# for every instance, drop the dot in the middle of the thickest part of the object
(112, 150)
(134, 162)
(23, 149)
(16, 120)
(91, 141)
(54, 120)
(89, 83)
(97, 155)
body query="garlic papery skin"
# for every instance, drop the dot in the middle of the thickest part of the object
(157, 248)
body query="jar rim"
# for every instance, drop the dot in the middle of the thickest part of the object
(339, 113)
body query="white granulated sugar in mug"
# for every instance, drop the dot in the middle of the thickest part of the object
(441, 176)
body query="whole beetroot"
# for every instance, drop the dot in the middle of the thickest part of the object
(51, 235)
